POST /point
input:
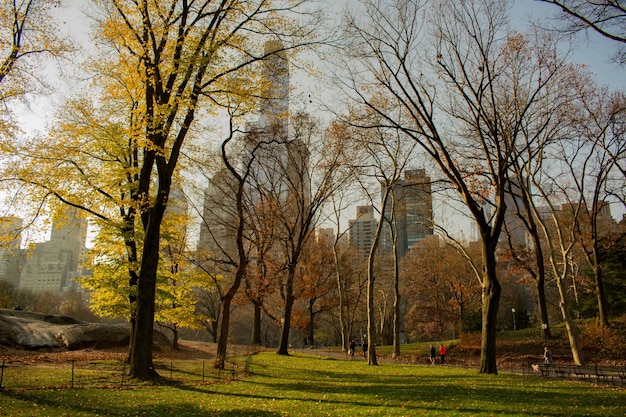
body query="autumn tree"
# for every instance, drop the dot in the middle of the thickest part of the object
(14, 297)
(443, 289)
(461, 86)
(110, 287)
(28, 36)
(186, 56)
(174, 59)
(318, 288)
(178, 278)
(90, 158)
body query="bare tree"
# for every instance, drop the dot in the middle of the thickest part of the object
(548, 122)
(383, 155)
(597, 128)
(461, 97)
(339, 202)
(605, 17)
(557, 223)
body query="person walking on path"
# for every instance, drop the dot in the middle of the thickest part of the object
(442, 353)
(547, 356)
(352, 346)
(364, 348)
(433, 354)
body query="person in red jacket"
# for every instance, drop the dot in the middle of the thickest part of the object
(442, 353)
(352, 346)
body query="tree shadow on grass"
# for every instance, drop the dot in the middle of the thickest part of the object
(51, 403)
(447, 390)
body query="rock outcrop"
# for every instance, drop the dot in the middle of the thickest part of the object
(29, 330)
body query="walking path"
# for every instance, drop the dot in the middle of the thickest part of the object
(524, 370)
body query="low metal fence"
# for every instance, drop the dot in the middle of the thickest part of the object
(74, 374)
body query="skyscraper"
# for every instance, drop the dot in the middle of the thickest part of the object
(219, 216)
(514, 228)
(274, 103)
(52, 265)
(273, 161)
(266, 140)
(362, 229)
(413, 211)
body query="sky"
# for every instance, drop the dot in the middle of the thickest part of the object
(592, 51)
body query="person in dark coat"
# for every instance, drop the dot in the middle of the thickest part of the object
(433, 354)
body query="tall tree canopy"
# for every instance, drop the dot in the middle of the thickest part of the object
(28, 34)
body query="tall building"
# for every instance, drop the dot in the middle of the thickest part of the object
(274, 162)
(53, 265)
(10, 240)
(279, 162)
(514, 228)
(413, 212)
(274, 103)
(361, 230)
(219, 216)
(326, 234)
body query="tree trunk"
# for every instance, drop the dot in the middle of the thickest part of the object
(540, 283)
(371, 322)
(256, 326)
(283, 347)
(396, 306)
(311, 329)
(215, 325)
(570, 326)
(222, 340)
(175, 345)
(490, 301)
(371, 280)
(133, 276)
(603, 317)
(141, 366)
(342, 319)
(543, 308)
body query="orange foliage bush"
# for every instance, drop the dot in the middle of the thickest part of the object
(470, 341)
(608, 343)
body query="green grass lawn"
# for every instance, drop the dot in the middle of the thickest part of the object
(301, 385)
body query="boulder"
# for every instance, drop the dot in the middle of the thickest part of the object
(30, 330)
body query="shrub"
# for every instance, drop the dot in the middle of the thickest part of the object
(608, 343)
(470, 341)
